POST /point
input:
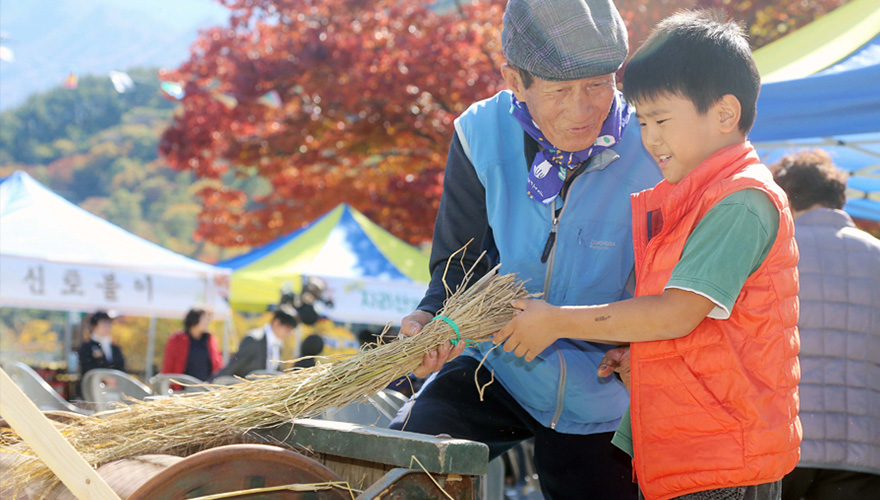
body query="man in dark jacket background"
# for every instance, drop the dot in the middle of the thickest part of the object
(261, 347)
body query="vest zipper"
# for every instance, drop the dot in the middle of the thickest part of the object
(560, 390)
(549, 254)
(549, 257)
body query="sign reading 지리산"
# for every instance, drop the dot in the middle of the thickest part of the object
(371, 301)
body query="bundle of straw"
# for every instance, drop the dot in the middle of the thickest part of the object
(203, 419)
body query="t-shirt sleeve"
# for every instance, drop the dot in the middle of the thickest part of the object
(726, 247)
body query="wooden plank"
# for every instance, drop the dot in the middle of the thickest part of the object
(49, 445)
(385, 446)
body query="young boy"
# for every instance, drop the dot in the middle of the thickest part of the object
(713, 325)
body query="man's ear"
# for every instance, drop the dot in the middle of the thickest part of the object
(513, 81)
(728, 111)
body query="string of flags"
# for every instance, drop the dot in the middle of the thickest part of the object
(173, 89)
(72, 81)
(271, 99)
(122, 83)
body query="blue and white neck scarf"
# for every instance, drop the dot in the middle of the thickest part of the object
(551, 165)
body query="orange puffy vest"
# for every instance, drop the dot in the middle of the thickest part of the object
(718, 407)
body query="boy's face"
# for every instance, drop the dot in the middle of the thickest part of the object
(678, 136)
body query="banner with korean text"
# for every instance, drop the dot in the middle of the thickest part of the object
(41, 284)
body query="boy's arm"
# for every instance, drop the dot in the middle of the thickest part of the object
(728, 244)
(670, 315)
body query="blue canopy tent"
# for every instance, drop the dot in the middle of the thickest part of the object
(372, 276)
(821, 89)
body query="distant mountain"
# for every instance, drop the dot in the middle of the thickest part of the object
(52, 38)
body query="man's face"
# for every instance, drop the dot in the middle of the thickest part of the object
(281, 330)
(570, 113)
(103, 329)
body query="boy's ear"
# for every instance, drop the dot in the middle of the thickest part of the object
(729, 111)
(513, 81)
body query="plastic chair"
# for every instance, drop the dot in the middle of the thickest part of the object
(262, 373)
(378, 410)
(359, 413)
(398, 398)
(95, 389)
(161, 384)
(226, 380)
(40, 392)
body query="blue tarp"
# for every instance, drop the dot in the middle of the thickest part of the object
(836, 109)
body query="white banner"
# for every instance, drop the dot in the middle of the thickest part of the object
(371, 301)
(61, 286)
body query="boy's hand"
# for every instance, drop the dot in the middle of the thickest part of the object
(530, 331)
(616, 360)
(435, 359)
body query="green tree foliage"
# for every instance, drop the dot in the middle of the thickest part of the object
(98, 149)
(29, 132)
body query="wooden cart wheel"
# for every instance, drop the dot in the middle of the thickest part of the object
(241, 467)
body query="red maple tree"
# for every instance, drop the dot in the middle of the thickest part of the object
(368, 93)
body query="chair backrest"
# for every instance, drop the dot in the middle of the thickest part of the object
(358, 413)
(161, 384)
(263, 373)
(106, 386)
(226, 380)
(378, 410)
(40, 392)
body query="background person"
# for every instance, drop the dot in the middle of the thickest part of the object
(261, 348)
(540, 176)
(193, 351)
(840, 336)
(310, 346)
(99, 351)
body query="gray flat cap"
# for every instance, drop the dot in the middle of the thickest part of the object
(559, 40)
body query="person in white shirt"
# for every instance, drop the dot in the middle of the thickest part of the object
(260, 349)
(99, 351)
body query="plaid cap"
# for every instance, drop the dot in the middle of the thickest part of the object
(560, 40)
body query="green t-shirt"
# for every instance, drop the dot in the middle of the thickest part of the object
(725, 248)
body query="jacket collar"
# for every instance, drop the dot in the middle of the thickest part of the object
(724, 163)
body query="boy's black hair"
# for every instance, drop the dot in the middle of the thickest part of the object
(697, 55)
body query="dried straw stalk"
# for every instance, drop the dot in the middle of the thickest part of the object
(207, 418)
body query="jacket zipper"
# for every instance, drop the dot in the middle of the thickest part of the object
(560, 390)
(549, 257)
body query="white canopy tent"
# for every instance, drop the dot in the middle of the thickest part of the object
(57, 256)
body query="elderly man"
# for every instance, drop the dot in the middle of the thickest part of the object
(540, 176)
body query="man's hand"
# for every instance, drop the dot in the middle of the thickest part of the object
(616, 360)
(435, 359)
(530, 331)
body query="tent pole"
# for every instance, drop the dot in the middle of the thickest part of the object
(297, 339)
(151, 349)
(226, 328)
(68, 340)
